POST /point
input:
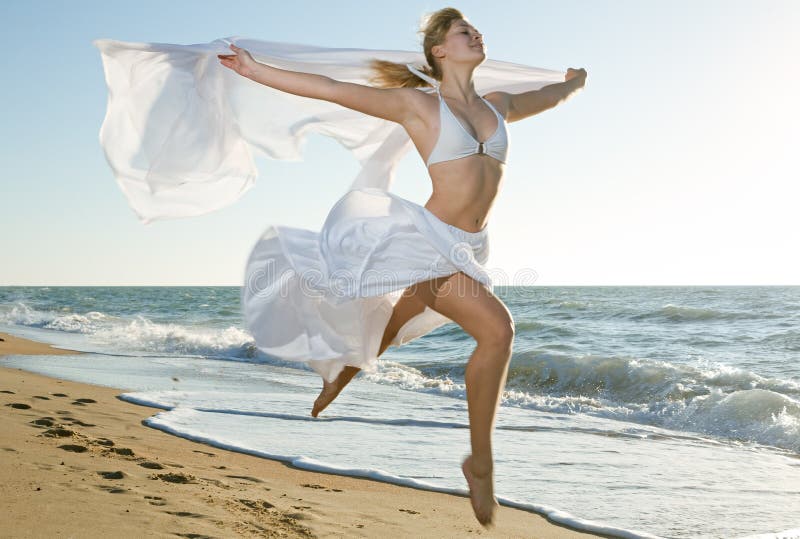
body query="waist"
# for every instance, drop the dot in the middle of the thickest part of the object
(466, 234)
(465, 207)
(456, 225)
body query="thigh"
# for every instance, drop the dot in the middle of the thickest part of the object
(469, 304)
(405, 309)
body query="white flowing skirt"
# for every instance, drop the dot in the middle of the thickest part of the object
(325, 298)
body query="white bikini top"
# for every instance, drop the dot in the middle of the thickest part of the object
(454, 140)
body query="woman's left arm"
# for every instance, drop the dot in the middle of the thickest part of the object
(520, 106)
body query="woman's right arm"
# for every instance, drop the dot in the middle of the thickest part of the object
(393, 104)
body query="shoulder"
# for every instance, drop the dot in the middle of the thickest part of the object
(393, 104)
(417, 100)
(424, 94)
(516, 107)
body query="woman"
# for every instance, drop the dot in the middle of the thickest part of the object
(446, 129)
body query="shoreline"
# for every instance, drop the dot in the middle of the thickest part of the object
(90, 447)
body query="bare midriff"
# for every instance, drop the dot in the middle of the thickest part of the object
(464, 190)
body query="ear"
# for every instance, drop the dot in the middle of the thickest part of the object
(437, 51)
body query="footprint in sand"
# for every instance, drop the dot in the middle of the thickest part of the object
(409, 511)
(309, 485)
(82, 424)
(156, 500)
(102, 441)
(41, 397)
(289, 518)
(43, 422)
(194, 535)
(19, 405)
(112, 475)
(73, 448)
(204, 453)
(112, 490)
(7, 391)
(256, 504)
(122, 451)
(246, 478)
(59, 394)
(151, 465)
(85, 401)
(58, 433)
(174, 477)
(185, 514)
(215, 482)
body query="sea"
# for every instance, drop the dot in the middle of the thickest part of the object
(663, 411)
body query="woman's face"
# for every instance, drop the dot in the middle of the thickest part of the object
(464, 41)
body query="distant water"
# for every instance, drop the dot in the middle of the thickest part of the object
(637, 411)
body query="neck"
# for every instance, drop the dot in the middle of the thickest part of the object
(458, 84)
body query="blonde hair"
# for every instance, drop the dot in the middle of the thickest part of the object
(433, 29)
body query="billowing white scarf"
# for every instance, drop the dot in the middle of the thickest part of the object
(180, 128)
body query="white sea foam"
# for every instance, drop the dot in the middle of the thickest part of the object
(184, 422)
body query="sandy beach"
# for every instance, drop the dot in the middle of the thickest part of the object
(77, 461)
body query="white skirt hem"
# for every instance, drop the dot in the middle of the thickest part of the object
(325, 298)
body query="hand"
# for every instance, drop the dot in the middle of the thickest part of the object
(572, 73)
(241, 62)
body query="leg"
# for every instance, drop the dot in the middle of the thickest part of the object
(481, 314)
(404, 310)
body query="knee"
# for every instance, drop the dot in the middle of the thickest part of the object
(499, 335)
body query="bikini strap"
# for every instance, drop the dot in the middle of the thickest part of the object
(497, 112)
(427, 78)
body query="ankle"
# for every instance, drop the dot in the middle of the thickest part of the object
(481, 467)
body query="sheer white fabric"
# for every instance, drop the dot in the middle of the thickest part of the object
(180, 132)
(180, 128)
(327, 297)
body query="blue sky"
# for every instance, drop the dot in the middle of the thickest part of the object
(672, 166)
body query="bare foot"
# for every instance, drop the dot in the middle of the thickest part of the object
(330, 390)
(328, 393)
(481, 493)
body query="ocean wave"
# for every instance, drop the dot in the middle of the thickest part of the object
(788, 340)
(682, 313)
(711, 399)
(567, 304)
(542, 329)
(137, 333)
(632, 380)
(757, 415)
